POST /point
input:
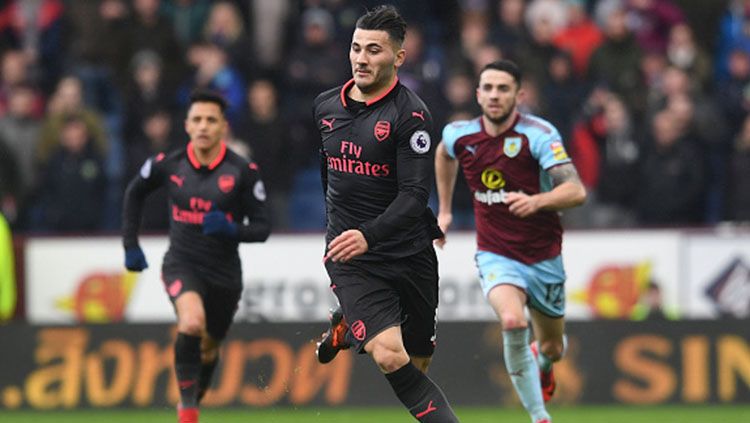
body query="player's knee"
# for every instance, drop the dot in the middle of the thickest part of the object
(209, 353)
(388, 358)
(512, 321)
(552, 350)
(192, 325)
(421, 363)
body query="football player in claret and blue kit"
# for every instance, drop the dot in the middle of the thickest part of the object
(521, 176)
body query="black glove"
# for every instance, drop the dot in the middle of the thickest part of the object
(134, 259)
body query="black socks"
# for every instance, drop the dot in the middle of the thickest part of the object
(187, 360)
(425, 401)
(204, 381)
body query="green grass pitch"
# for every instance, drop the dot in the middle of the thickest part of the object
(560, 414)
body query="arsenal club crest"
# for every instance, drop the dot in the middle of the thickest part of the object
(382, 130)
(226, 183)
(358, 330)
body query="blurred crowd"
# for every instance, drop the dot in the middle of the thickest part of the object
(651, 97)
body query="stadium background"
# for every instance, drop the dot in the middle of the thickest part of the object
(658, 291)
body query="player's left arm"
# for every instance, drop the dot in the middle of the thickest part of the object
(257, 226)
(414, 166)
(568, 192)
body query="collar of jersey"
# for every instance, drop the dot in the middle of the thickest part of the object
(349, 84)
(211, 166)
(510, 129)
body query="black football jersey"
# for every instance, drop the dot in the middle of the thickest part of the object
(376, 165)
(230, 184)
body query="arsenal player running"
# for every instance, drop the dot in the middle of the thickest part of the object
(521, 177)
(216, 200)
(377, 166)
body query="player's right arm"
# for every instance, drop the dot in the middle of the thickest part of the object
(446, 169)
(148, 179)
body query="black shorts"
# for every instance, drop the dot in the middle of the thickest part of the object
(378, 295)
(219, 301)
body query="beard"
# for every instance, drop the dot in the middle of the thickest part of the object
(502, 118)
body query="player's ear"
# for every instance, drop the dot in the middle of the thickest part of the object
(400, 57)
(520, 95)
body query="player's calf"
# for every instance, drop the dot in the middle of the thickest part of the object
(547, 377)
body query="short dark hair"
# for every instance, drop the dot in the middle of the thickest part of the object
(505, 66)
(384, 18)
(208, 96)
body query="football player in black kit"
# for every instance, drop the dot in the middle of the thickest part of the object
(216, 200)
(376, 164)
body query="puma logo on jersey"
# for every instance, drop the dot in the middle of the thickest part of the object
(418, 114)
(471, 149)
(178, 180)
(328, 123)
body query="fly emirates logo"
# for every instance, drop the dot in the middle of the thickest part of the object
(350, 162)
(198, 209)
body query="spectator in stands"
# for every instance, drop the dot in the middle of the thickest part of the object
(580, 37)
(312, 64)
(36, 28)
(616, 61)
(73, 183)
(562, 94)
(266, 132)
(653, 66)
(672, 180)
(510, 33)
(65, 101)
(14, 71)
(683, 52)
(738, 193)
(605, 148)
(651, 305)
(732, 34)
(149, 30)
(187, 17)
(544, 20)
(422, 70)
(269, 30)
(213, 71)
(225, 28)
(475, 29)
(98, 51)
(486, 53)
(651, 22)
(156, 135)
(707, 120)
(460, 96)
(733, 93)
(147, 91)
(19, 129)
